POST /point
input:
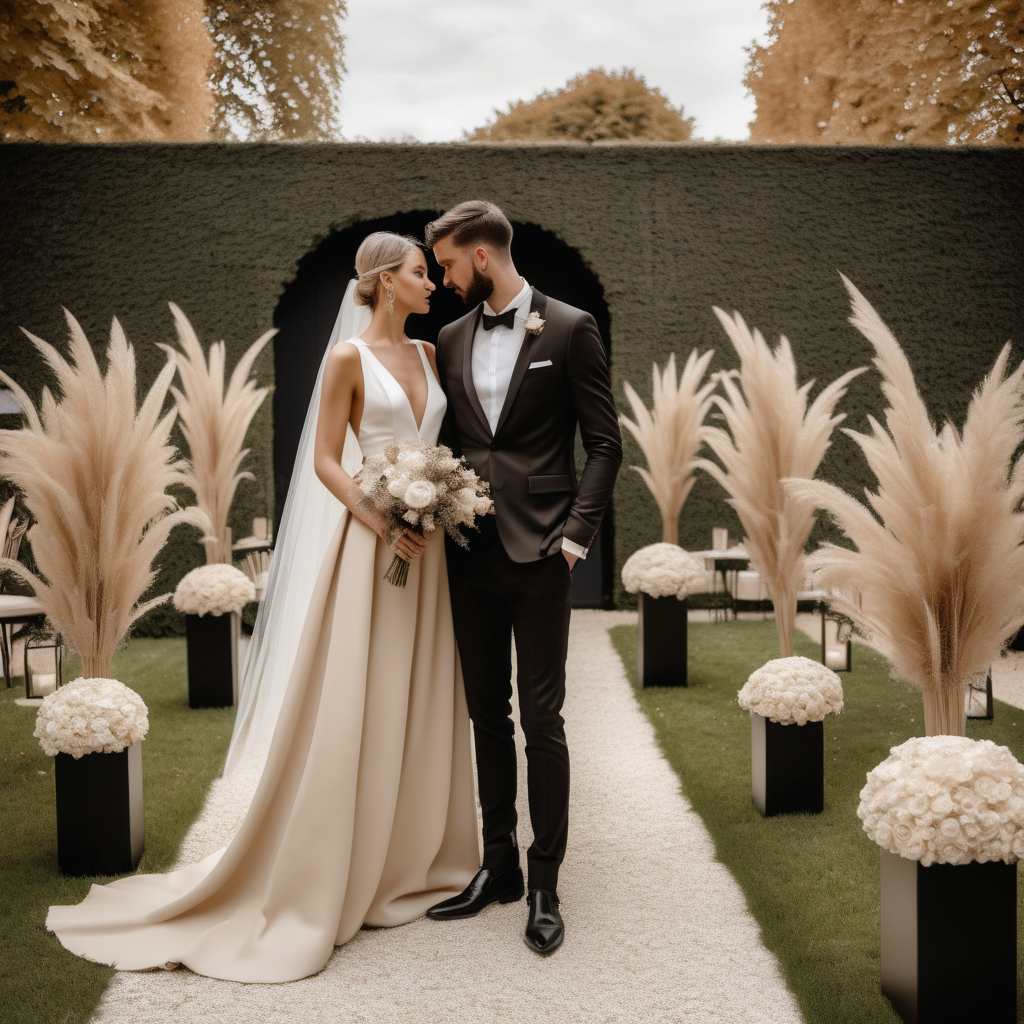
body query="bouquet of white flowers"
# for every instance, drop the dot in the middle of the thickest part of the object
(420, 487)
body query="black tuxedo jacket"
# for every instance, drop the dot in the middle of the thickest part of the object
(530, 460)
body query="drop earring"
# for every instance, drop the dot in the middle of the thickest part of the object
(391, 303)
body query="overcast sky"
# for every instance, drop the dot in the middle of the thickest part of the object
(431, 69)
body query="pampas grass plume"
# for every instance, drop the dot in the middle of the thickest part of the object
(214, 423)
(94, 471)
(772, 435)
(939, 566)
(669, 435)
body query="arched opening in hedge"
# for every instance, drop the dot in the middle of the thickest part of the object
(309, 306)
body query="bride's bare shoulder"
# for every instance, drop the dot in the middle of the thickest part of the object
(343, 365)
(344, 355)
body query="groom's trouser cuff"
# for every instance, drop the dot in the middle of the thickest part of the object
(501, 857)
(542, 875)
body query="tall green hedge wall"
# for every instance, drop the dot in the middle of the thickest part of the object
(933, 237)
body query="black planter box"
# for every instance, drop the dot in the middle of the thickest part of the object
(949, 941)
(212, 660)
(787, 767)
(100, 822)
(661, 641)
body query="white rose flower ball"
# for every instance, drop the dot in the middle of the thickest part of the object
(664, 570)
(792, 691)
(397, 484)
(946, 800)
(90, 716)
(419, 494)
(215, 589)
(413, 463)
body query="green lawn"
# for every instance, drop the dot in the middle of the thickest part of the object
(810, 880)
(40, 982)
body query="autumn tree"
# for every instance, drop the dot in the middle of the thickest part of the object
(880, 71)
(278, 68)
(104, 70)
(170, 70)
(593, 107)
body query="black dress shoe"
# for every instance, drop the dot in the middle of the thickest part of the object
(544, 927)
(486, 887)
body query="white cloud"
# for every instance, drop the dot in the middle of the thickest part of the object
(434, 70)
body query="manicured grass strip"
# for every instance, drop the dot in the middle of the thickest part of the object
(40, 982)
(810, 880)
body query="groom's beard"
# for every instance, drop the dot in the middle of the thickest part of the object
(480, 289)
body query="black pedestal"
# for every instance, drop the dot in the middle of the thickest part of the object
(949, 941)
(787, 766)
(212, 660)
(661, 641)
(100, 825)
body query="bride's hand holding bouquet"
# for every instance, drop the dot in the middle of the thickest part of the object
(413, 488)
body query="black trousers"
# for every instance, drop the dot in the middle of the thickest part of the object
(494, 599)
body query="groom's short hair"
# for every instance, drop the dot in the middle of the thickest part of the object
(476, 221)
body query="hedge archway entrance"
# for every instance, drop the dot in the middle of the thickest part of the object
(309, 305)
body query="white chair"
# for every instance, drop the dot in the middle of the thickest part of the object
(15, 609)
(749, 585)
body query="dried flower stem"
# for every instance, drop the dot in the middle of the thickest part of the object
(398, 572)
(95, 472)
(669, 435)
(774, 435)
(940, 568)
(214, 422)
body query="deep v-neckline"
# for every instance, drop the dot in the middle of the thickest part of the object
(398, 383)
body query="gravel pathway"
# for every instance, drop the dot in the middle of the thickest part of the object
(657, 929)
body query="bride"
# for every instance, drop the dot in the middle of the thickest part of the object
(352, 693)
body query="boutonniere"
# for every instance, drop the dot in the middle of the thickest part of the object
(534, 324)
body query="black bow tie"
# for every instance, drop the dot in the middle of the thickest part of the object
(506, 319)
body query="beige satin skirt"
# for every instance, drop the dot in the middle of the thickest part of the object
(365, 812)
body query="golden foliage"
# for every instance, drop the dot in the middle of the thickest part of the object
(214, 422)
(874, 71)
(105, 70)
(669, 435)
(279, 68)
(774, 436)
(592, 107)
(94, 471)
(939, 567)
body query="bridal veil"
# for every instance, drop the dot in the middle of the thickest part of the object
(310, 517)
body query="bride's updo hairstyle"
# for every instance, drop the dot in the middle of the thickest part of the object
(379, 252)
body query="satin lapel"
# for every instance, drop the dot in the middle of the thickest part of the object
(467, 369)
(538, 305)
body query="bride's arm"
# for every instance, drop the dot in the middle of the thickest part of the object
(339, 397)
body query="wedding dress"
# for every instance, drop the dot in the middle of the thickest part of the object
(365, 811)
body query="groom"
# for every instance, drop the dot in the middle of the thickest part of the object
(520, 371)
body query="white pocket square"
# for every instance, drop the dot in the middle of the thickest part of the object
(538, 365)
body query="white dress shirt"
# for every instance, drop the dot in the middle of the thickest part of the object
(494, 357)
